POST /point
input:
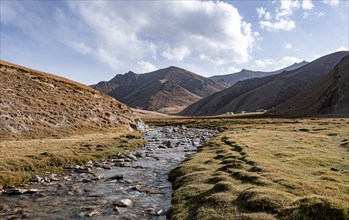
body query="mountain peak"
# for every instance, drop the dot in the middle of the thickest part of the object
(166, 90)
(245, 70)
(173, 68)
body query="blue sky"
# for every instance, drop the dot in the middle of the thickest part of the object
(90, 41)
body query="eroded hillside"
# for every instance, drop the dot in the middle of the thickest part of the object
(34, 103)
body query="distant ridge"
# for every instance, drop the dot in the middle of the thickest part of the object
(329, 95)
(266, 92)
(230, 79)
(167, 90)
(36, 103)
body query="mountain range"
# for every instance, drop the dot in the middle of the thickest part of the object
(231, 79)
(328, 95)
(267, 92)
(167, 90)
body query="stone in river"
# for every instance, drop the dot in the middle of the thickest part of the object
(150, 210)
(116, 177)
(36, 179)
(162, 147)
(106, 167)
(167, 143)
(119, 210)
(83, 170)
(124, 203)
(16, 191)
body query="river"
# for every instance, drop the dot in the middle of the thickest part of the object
(130, 185)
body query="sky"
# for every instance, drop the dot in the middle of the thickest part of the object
(89, 41)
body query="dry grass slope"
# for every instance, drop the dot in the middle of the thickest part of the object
(34, 103)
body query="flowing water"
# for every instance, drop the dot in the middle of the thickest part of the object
(130, 185)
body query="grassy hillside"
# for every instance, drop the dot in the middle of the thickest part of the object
(266, 169)
(48, 121)
(35, 103)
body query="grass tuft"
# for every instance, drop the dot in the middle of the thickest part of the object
(258, 199)
(316, 208)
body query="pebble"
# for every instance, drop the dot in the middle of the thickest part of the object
(83, 170)
(106, 167)
(16, 191)
(162, 147)
(119, 210)
(116, 177)
(124, 203)
(132, 157)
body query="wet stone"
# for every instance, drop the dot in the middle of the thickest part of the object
(138, 182)
(119, 210)
(116, 177)
(36, 179)
(162, 147)
(16, 191)
(83, 170)
(107, 167)
(124, 203)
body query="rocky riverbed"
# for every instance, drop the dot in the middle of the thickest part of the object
(131, 185)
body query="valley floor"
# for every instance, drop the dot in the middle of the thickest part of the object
(255, 168)
(20, 159)
(265, 169)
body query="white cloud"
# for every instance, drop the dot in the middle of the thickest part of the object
(307, 5)
(80, 47)
(342, 48)
(305, 15)
(123, 35)
(286, 61)
(319, 14)
(288, 46)
(283, 14)
(331, 2)
(277, 64)
(178, 53)
(232, 69)
(263, 14)
(176, 30)
(144, 67)
(264, 62)
(286, 8)
(279, 25)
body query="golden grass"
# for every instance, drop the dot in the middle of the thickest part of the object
(266, 168)
(19, 159)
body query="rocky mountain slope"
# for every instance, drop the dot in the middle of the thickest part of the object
(267, 92)
(166, 90)
(244, 74)
(37, 103)
(329, 95)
